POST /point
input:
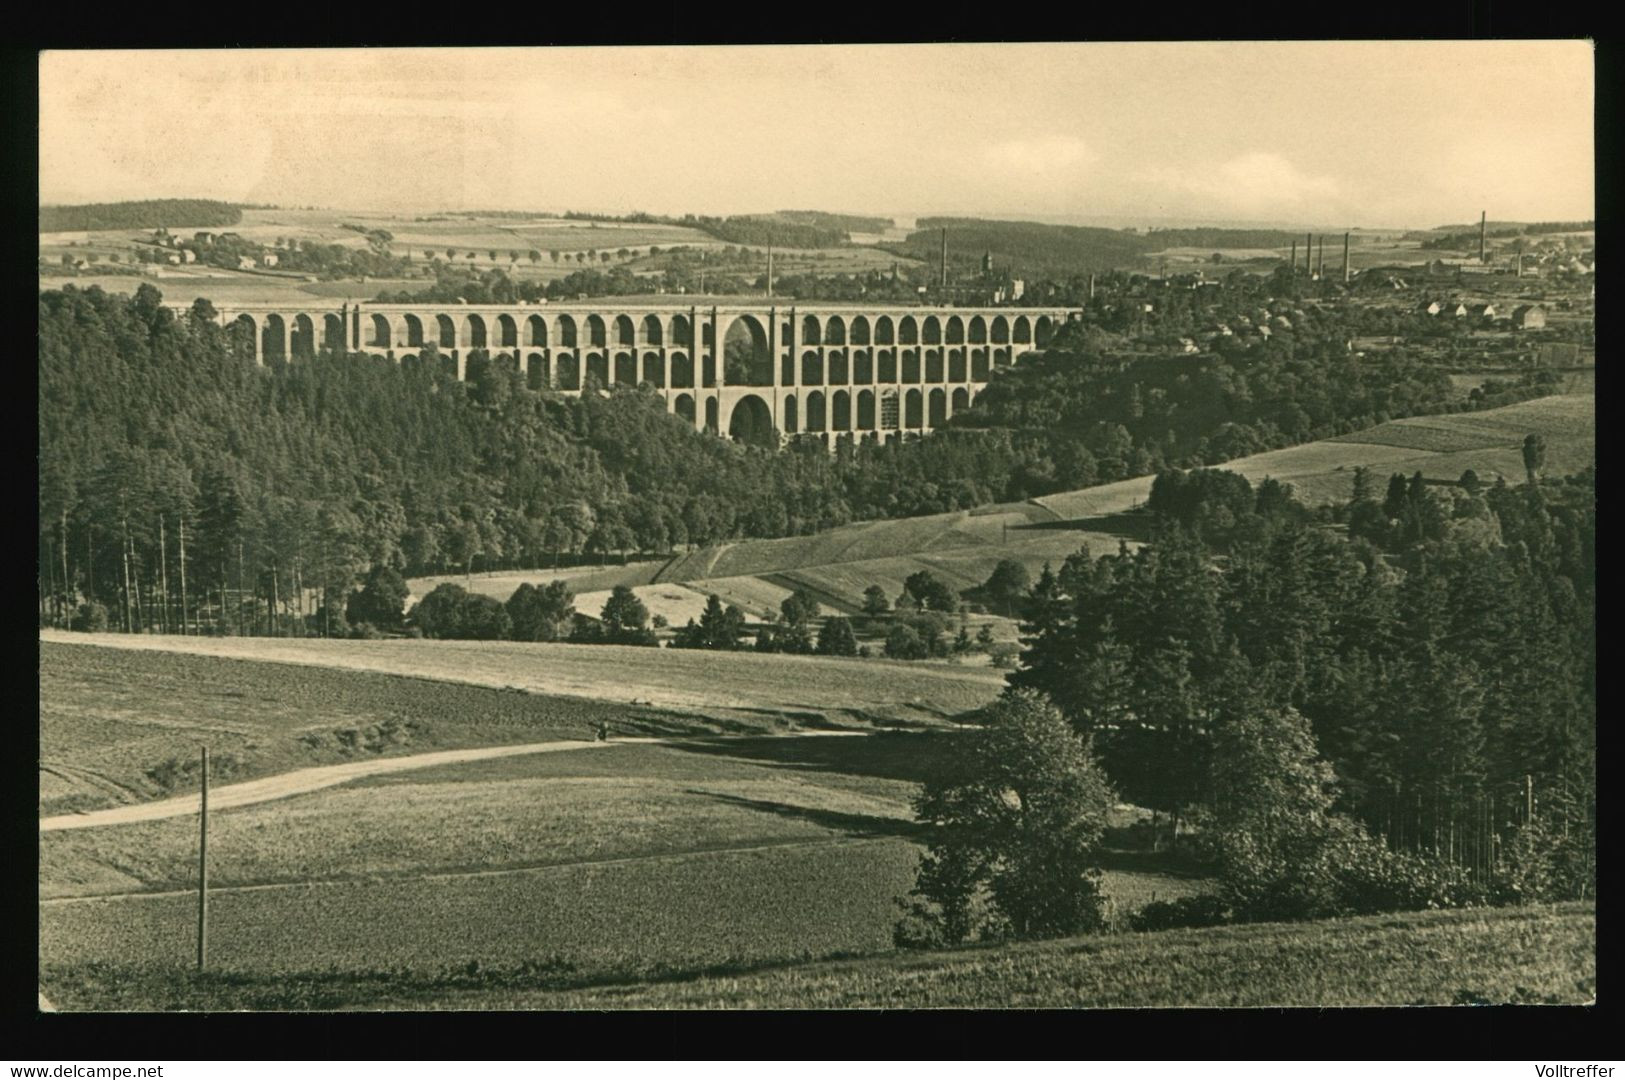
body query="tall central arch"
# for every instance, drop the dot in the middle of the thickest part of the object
(746, 358)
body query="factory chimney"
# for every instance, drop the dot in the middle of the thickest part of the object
(770, 269)
(1092, 287)
(1320, 259)
(944, 258)
(1294, 257)
(1483, 224)
(1345, 258)
(1309, 254)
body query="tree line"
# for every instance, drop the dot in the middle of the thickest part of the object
(1342, 724)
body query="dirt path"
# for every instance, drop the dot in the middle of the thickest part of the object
(301, 781)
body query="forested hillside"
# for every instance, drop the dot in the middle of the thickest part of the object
(147, 214)
(1029, 247)
(1444, 655)
(149, 425)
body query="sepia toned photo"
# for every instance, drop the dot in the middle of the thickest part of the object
(911, 526)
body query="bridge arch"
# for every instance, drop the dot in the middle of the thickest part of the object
(333, 334)
(747, 361)
(811, 331)
(961, 400)
(682, 372)
(751, 421)
(567, 371)
(812, 369)
(908, 331)
(1044, 331)
(507, 332)
(684, 407)
(567, 332)
(302, 339)
(815, 411)
(1022, 333)
(413, 327)
(933, 366)
(884, 333)
(597, 371)
(937, 413)
(1001, 358)
(446, 331)
(595, 332)
(978, 365)
(888, 366)
(835, 331)
(682, 332)
(380, 337)
(863, 367)
(274, 339)
(956, 365)
(911, 366)
(836, 367)
(654, 369)
(913, 413)
(711, 414)
(932, 331)
(840, 411)
(866, 410)
(474, 331)
(978, 330)
(536, 331)
(654, 332)
(790, 419)
(625, 332)
(860, 330)
(955, 331)
(626, 368)
(1001, 330)
(537, 376)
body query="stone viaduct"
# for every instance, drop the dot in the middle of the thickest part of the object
(817, 368)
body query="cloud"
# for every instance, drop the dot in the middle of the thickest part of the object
(1256, 182)
(1045, 155)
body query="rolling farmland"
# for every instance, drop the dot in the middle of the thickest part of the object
(622, 862)
(730, 691)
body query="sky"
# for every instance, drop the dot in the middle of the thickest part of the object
(1341, 134)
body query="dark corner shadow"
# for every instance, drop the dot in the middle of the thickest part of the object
(851, 824)
(911, 756)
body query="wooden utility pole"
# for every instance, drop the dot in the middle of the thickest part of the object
(203, 866)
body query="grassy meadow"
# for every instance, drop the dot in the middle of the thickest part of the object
(624, 862)
(722, 691)
(120, 726)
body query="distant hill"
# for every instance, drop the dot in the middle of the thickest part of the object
(848, 223)
(146, 214)
(1521, 227)
(1034, 247)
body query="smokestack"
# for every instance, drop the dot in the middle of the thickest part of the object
(1294, 256)
(1320, 259)
(1483, 224)
(1520, 263)
(1092, 286)
(1345, 258)
(945, 258)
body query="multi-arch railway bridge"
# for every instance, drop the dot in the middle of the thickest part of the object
(822, 368)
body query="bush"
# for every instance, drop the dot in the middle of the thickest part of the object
(1016, 818)
(91, 618)
(1187, 911)
(902, 643)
